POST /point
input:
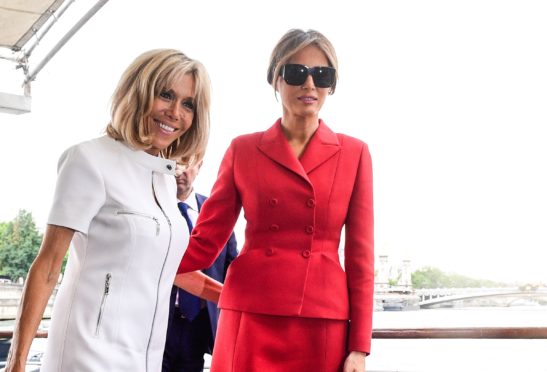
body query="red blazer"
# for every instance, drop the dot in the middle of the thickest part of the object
(295, 211)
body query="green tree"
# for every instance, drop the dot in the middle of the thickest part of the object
(19, 244)
(431, 277)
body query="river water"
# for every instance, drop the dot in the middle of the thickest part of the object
(440, 355)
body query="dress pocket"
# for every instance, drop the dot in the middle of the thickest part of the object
(143, 223)
(103, 303)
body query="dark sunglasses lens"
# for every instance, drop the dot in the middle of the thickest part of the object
(295, 74)
(323, 77)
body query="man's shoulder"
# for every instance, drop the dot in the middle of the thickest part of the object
(201, 199)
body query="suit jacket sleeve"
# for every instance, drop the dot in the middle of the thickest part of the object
(216, 220)
(359, 256)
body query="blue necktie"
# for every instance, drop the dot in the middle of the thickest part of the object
(189, 304)
(183, 207)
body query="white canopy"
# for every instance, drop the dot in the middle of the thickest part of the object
(23, 24)
(21, 19)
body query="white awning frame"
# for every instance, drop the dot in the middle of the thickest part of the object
(15, 8)
(23, 24)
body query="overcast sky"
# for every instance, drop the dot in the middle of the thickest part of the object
(450, 96)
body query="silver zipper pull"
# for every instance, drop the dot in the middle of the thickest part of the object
(103, 302)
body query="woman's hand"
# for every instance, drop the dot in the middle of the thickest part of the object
(355, 362)
(199, 284)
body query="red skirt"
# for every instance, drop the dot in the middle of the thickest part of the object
(267, 343)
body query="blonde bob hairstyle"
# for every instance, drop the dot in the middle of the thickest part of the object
(150, 74)
(294, 41)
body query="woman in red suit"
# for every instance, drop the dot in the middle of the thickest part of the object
(287, 303)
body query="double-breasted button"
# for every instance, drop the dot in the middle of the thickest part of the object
(269, 252)
(306, 253)
(310, 203)
(274, 227)
(309, 229)
(169, 166)
(273, 202)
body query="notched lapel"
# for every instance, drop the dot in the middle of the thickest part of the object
(275, 146)
(322, 146)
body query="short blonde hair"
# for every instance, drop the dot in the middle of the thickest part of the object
(146, 77)
(294, 41)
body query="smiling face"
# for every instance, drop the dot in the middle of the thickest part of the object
(304, 100)
(172, 113)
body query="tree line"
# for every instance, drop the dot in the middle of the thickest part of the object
(432, 277)
(20, 241)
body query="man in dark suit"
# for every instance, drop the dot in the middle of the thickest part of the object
(192, 321)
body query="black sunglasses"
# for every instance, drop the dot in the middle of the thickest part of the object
(294, 74)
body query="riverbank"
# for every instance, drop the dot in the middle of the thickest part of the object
(10, 297)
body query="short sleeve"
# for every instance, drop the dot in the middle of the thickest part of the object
(79, 192)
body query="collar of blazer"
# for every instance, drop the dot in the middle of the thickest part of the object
(323, 145)
(154, 163)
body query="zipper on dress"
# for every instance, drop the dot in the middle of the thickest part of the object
(161, 274)
(103, 302)
(155, 219)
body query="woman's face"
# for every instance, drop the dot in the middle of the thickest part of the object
(172, 113)
(304, 100)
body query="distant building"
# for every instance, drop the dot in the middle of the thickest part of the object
(405, 279)
(383, 273)
(390, 275)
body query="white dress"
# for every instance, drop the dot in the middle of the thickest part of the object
(111, 310)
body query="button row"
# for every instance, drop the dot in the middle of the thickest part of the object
(309, 229)
(310, 202)
(306, 253)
